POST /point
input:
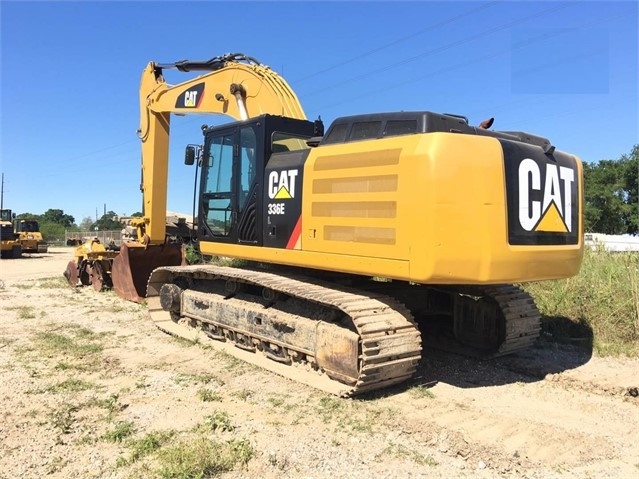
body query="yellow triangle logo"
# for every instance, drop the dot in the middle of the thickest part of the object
(551, 221)
(283, 194)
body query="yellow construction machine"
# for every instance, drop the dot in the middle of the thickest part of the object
(29, 235)
(92, 261)
(91, 265)
(354, 239)
(9, 245)
(27, 232)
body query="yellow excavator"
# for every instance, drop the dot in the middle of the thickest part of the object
(354, 239)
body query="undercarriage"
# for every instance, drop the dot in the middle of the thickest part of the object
(344, 339)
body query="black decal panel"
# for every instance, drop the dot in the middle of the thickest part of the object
(542, 195)
(283, 199)
(191, 98)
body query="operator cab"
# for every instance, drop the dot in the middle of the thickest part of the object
(236, 183)
(27, 226)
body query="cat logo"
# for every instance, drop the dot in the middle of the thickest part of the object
(553, 212)
(281, 184)
(542, 195)
(191, 98)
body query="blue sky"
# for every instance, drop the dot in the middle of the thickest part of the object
(70, 74)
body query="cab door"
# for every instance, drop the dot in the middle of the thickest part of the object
(228, 186)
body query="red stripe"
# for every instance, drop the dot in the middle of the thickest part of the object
(295, 234)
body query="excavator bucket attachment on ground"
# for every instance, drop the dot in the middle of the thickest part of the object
(133, 266)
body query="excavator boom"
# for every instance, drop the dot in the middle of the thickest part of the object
(234, 85)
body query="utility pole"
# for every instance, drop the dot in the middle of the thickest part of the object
(2, 193)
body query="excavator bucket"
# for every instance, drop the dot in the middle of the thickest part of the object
(133, 266)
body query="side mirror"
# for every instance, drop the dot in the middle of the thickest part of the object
(192, 152)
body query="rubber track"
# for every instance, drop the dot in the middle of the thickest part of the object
(390, 340)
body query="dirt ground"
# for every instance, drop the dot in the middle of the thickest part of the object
(85, 374)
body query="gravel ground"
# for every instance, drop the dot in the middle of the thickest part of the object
(86, 374)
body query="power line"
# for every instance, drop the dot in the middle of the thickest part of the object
(465, 64)
(435, 26)
(441, 48)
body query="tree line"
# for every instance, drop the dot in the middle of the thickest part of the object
(611, 195)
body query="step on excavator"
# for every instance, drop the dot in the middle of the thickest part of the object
(361, 244)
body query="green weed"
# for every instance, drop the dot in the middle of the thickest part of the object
(422, 392)
(56, 342)
(329, 407)
(67, 386)
(53, 283)
(243, 394)
(399, 450)
(111, 404)
(276, 401)
(183, 378)
(281, 464)
(63, 419)
(231, 363)
(202, 457)
(208, 395)
(146, 445)
(24, 312)
(120, 431)
(218, 421)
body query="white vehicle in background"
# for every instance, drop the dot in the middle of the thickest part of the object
(613, 243)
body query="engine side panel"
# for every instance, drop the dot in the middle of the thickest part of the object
(429, 208)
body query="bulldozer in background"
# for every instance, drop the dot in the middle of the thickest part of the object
(9, 246)
(29, 235)
(361, 244)
(27, 232)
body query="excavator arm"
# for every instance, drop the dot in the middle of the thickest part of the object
(234, 84)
